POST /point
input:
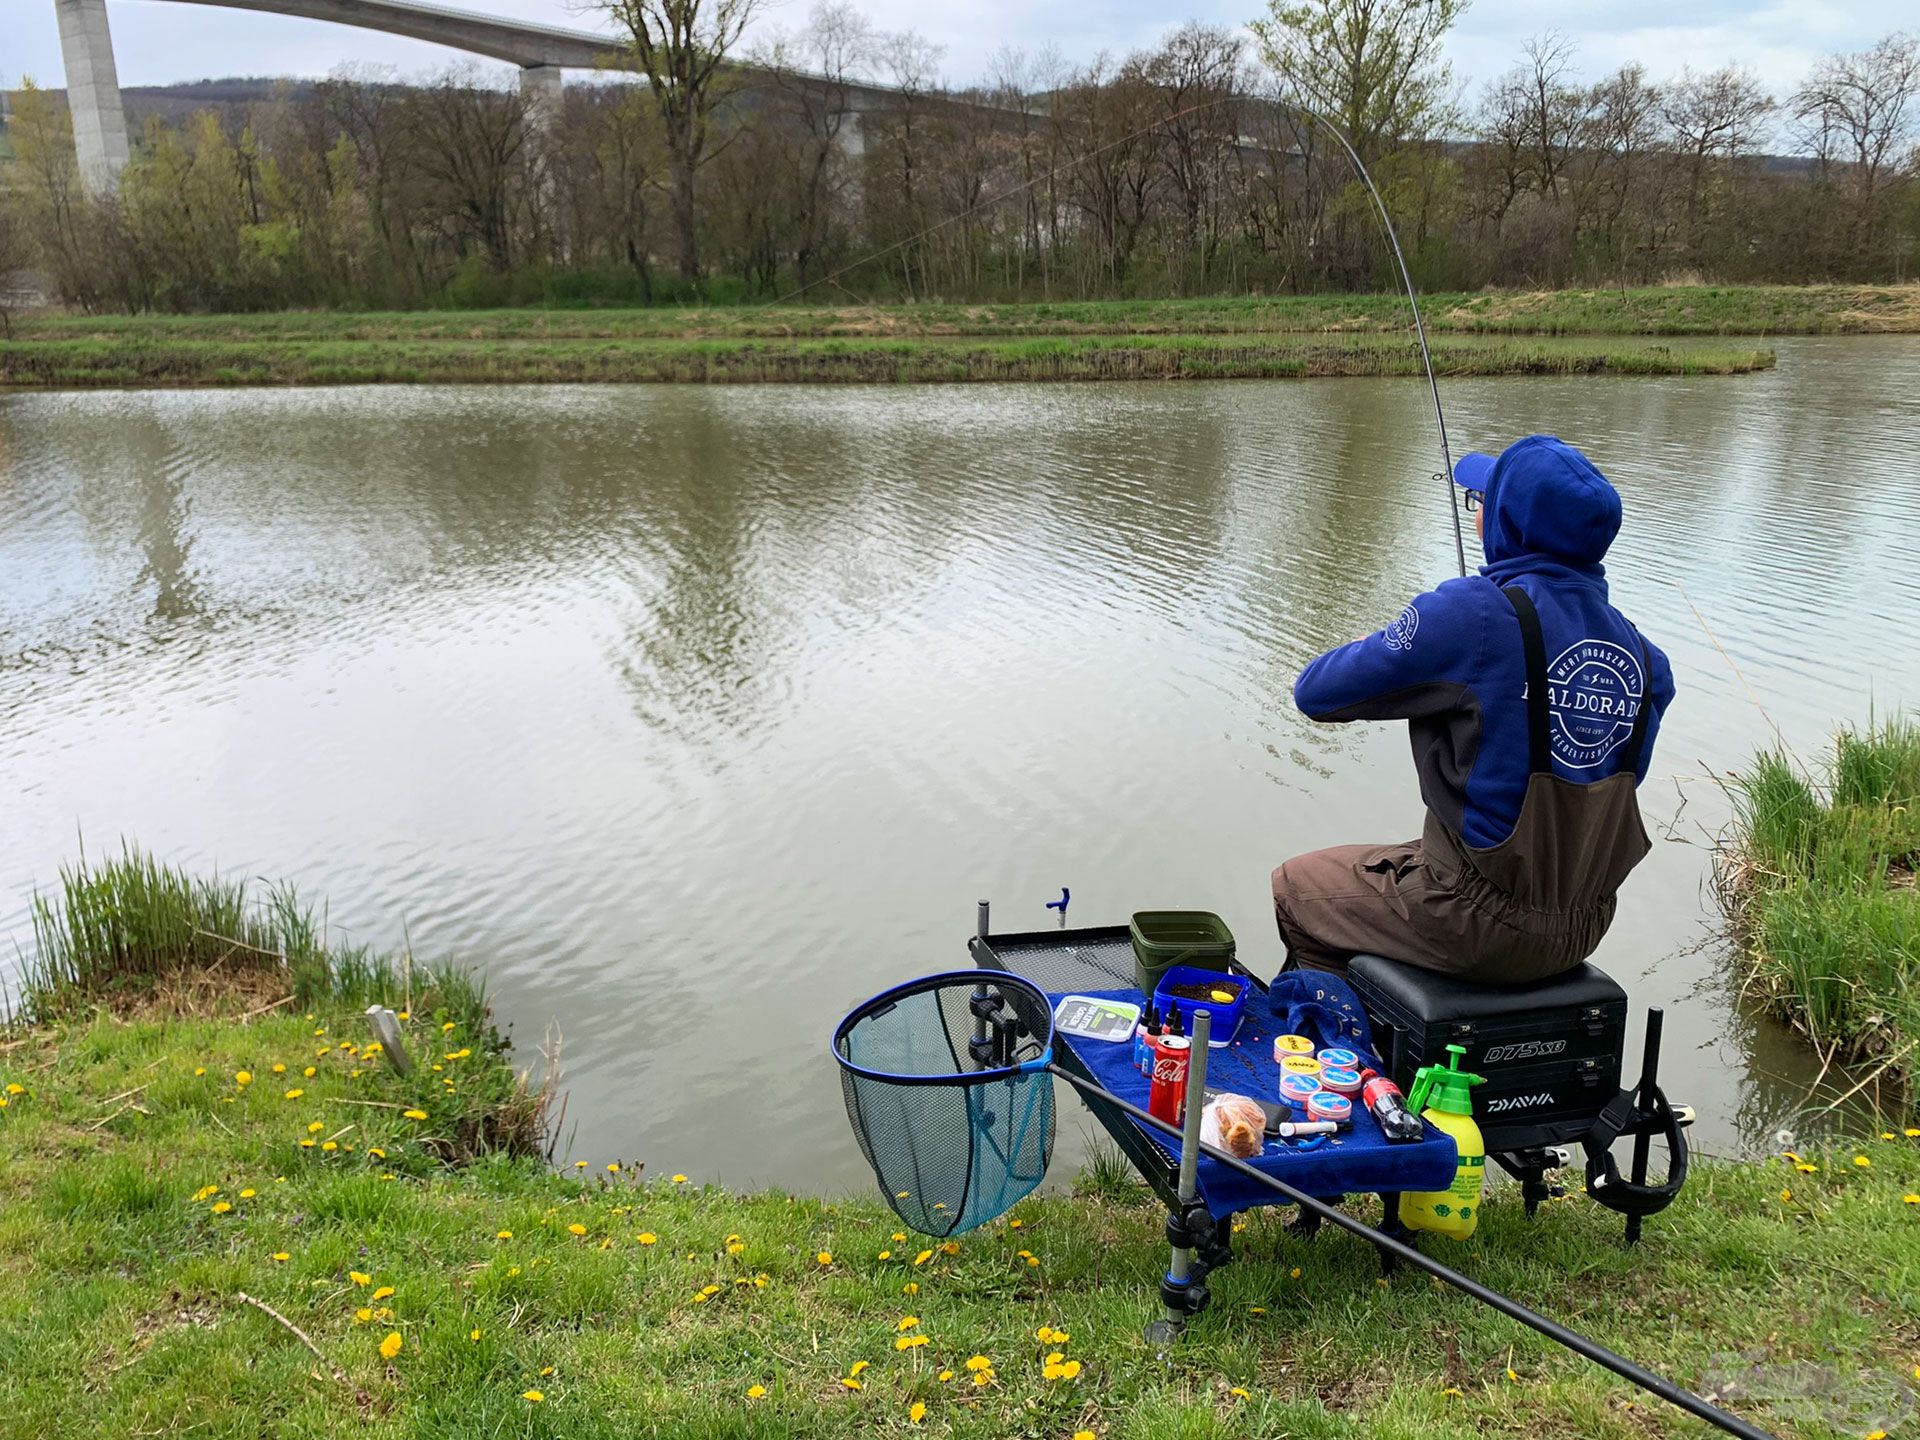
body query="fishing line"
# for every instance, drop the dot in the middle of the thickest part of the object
(1360, 168)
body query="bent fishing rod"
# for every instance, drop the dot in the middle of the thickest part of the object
(1360, 169)
(1572, 1339)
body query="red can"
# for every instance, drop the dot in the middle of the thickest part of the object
(1168, 1099)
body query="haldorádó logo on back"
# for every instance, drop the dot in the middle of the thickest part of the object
(1593, 692)
(1399, 635)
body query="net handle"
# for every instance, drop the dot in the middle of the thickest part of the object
(971, 979)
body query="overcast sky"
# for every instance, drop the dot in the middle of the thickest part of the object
(159, 41)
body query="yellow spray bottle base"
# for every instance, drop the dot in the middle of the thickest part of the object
(1455, 1210)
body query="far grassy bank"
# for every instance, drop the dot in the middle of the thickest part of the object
(163, 356)
(222, 1215)
(1819, 877)
(1702, 310)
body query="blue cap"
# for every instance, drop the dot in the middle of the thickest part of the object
(1471, 471)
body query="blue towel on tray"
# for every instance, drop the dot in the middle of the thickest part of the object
(1322, 1008)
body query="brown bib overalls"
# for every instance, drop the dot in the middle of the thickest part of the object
(1532, 906)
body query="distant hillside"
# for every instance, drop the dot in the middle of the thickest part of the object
(174, 102)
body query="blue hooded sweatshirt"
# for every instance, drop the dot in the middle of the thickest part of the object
(1453, 666)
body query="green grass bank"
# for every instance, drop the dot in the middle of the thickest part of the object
(160, 356)
(1819, 877)
(221, 1215)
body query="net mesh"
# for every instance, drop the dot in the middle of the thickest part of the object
(955, 1130)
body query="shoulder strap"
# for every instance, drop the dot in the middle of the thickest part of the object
(1637, 742)
(1539, 720)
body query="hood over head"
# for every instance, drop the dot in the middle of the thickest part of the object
(1545, 503)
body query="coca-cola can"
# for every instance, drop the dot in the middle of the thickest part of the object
(1167, 1100)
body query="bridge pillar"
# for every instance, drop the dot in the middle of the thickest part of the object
(93, 94)
(543, 87)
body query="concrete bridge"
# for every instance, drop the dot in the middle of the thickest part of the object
(542, 52)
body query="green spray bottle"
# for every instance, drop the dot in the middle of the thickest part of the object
(1440, 1096)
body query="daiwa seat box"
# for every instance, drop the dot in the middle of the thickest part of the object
(1550, 1050)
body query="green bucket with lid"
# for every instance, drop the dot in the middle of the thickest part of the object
(1164, 938)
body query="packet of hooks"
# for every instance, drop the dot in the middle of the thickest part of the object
(1093, 1018)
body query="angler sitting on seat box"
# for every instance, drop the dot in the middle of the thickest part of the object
(1525, 692)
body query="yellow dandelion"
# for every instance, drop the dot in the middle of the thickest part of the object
(579, 1164)
(852, 1384)
(280, 1257)
(503, 1234)
(330, 1147)
(243, 1077)
(1257, 1310)
(736, 1248)
(1862, 1161)
(912, 1287)
(916, 1412)
(359, 1277)
(825, 1257)
(1044, 1334)
(1912, 1200)
(1876, 1435)
(576, 1229)
(1015, 1224)
(885, 1255)
(362, 1315)
(978, 1363)
(385, 1292)
(309, 1072)
(390, 1346)
(316, 1127)
(756, 1392)
(647, 1237)
(1453, 1390)
(473, 1334)
(910, 1342)
(1886, 1134)
(679, 1179)
(1805, 1169)
(279, 1069)
(532, 1397)
(946, 1375)
(899, 1237)
(1061, 1337)
(1238, 1393)
(1033, 1261)
(1912, 1132)
(205, 1192)
(200, 1070)
(1084, 1435)
(221, 1207)
(857, 1366)
(295, 1094)
(907, 1322)
(545, 1371)
(1513, 1375)
(308, 1143)
(414, 1114)
(983, 1377)
(1294, 1274)
(1786, 1197)
(923, 1257)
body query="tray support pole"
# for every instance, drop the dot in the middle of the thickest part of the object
(1174, 1292)
(1649, 1077)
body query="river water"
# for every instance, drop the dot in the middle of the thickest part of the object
(696, 715)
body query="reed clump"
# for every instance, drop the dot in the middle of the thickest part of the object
(1818, 876)
(132, 934)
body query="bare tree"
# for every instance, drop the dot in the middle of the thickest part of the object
(814, 73)
(1716, 121)
(1860, 112)
(16, 249)
(681, 46)
(471, 139)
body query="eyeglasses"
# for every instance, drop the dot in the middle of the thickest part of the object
(1475, 499)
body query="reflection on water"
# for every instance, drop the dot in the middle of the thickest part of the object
(696, 715)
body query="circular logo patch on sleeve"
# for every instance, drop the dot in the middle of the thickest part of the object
(1594, 689)
(1399, 635)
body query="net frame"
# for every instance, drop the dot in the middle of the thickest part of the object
(913, 1118)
